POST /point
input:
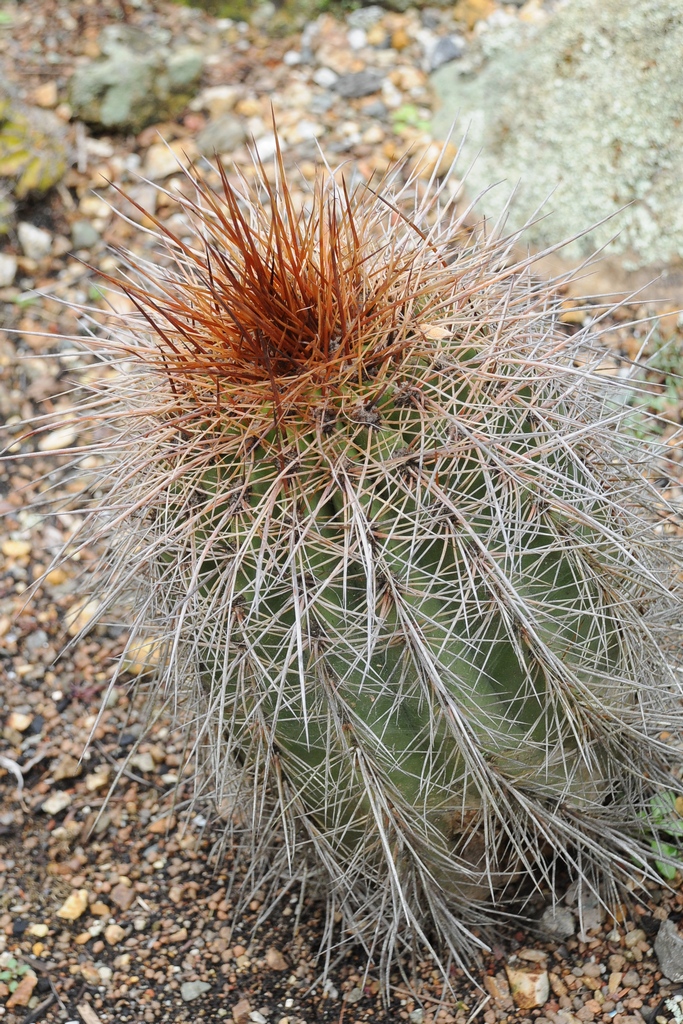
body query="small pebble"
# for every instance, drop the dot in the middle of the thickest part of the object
(143, 762)
(222, 135)
(190, 990)
(35, 242)
(358, 83)
(74, 905)
(84, 234)
(163, 825)
(557, 922)
(18, 721)
(23, 992)
(16, 549)
(435, 159)
(45, 95)
(8, 269)
(357, 38)
(162, 160)
(114, 933)
(241, 1011)
(123, 896)
(53, 441)
(528, 987)
(90, 974)
(448, 48)
(276, 960)
(326, 78)
(67, 768)
(56, 803)
(82, 615)
(56, 577)
(98, 779)
(400, 39)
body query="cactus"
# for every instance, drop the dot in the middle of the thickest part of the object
(33, 151)
(402, 560)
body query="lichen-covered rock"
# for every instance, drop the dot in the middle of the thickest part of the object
(588, 108)
(33, 152)
(138, 80)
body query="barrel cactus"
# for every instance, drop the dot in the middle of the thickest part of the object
(404, 563)
(33, 151)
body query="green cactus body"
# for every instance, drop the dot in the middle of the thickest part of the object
(392, 534)
(386, 623)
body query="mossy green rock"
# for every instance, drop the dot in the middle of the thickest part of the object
(33, 151)
(139, 80)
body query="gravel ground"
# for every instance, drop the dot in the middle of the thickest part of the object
(113, 904)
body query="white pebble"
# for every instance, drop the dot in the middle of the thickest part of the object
(325, 77)
(266, 146)
(35, 242)
(63, 437)
(391, 96)
(8, 269)
(305, 129)
(143, 762)
(56, 802)
(357, 38)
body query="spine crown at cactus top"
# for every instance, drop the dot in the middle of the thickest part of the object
(398, 550)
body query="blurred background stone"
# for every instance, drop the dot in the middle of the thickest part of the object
(582, 118)
(139, 79)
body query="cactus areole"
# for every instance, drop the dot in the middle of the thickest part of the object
(399, 552)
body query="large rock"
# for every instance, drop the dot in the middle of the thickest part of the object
(34, 154)
(669, 950)
(589, 109)
(139, 80)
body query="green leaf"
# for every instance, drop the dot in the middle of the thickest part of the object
(667, 871)
(663, 806)
(24, 969)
